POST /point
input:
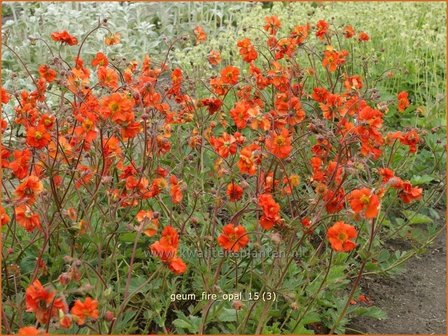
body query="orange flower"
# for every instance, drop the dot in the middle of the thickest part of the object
(271, 211)
(300, 33)
(112, 39)
(42, 302)
(47, 73)
(200, 34)
(149, 220)
(386, 174)
(233, 238)
(341, 235)
(118, 107)
(322, 29)
(166, 250)
(4, 218)
(410, 139)
(64, 37)
(248, 161)
(224, 145)
(31, 331)
(334, 201)
(26, 218)
(177, 265)
(4, 96)
(349, 32)
(214, 58)
(84, 310)
(20, 166)
(108, 77)
(408, 193)
(240, 114)
(353, 83)
(363, 200)
(230, 75)
(272, 24)
(234, 192)
(100, 59)
(213, 104)
(29, 189)
(175, 191)
(333, 59)
(279, 144)
(38, 137)
(403, 101)
(247, 50)
(363, 37)
(66, 321)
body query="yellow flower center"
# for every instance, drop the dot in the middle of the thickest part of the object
(342, 236)
(280, 140)
(364, 199)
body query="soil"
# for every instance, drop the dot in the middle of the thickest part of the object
(415, 301)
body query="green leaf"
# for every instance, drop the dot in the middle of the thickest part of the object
(373, 312)
(420, 180)
(227, 315)
(417, 218)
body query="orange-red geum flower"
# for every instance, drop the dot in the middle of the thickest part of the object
(100, 60)
(349, 32)
(322, 29)
(200, 34)
(175, 191)
(234, 192)
(42, 302)
(177, 265)
(224, 145)
(108, 77)
(149, 220)
(333, 59)
(38, 137)
(21, 164)
(247, 50)
(300, 33)
(403, 101)
(279, 144)
(248, 160)
(240, 114)
(271, 211)
(363, 37)
(118, 107)
(212, 104)
(410, 139)
(233, 238)
(340, 236)
(364, 201)
(64, 37)
(84, 310)
(214, 57)
(31, 331)
(230, 75)
(112, 39)
(408, 193)
(47, 73)
(29, 189)
(353, 82)
(272, 24)
(4, 96)
(4, 218)
(26, 218)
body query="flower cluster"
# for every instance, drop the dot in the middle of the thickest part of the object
(301, 152)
